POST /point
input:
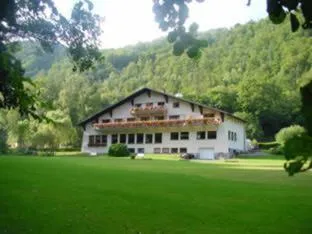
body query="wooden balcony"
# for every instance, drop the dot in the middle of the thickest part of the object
(158, 124)
(148, 111)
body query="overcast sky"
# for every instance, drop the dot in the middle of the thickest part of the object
(131, 21)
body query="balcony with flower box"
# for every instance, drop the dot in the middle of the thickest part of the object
(198, 123)
(148, 111)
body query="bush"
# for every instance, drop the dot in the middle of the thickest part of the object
(118, 150)
(288, 133)
(267, 145)
(3, 142)
(276, 150)
(298, 146)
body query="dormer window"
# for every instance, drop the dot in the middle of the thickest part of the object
(150, 104)
(176, 105)
(138, 105)
(160, 103)
(118, 120)
(105, 120)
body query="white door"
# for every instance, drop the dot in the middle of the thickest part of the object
(206, 153)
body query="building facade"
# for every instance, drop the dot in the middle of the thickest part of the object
(149, 121)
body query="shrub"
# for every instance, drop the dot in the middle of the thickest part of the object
(288, 133)
(3, 142)
(276, 150)
(118, 150)
(267, 145)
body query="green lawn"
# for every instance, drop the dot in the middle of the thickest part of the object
(118, 195)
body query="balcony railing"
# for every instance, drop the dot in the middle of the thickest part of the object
(159, 123)
(148, 110)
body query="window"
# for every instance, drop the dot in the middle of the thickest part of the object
(150, 104)
(157, 150)
(160, 103)
(138, 105)
(97, 140)
(149, 138)
(174, 117)
(104, 140)
(174, 150)
(232, 136)
(123, 138)
(139, 138)
(183, 150)
(235, 136)
(209, 115)
(114, 139)
(165, 150)
(159, 117)
(141, 150)
(176, 105)
(229, 135)
(130, 119)
(174, 136)
(91, 140)
(130, 138)
(184, 136)
(158, 137)
(212, 135)
(105, 120)
(145, 118)
(131, 150)
(118, 120)
(201, 135)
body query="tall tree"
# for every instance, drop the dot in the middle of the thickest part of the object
(39, 20)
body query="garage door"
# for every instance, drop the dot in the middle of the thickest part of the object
(206, 153)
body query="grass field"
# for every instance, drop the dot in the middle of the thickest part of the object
(112, 195)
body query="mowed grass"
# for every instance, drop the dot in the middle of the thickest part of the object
(112, 195)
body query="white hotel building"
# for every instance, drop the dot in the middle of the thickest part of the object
(149, 121)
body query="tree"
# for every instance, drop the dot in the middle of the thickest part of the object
(171, 16)
(39, 20)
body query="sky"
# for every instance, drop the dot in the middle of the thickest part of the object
(128, 22)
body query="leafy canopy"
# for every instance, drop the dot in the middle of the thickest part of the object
(39, 20)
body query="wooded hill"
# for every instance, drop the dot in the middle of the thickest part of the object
(253, 70)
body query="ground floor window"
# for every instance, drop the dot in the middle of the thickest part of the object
(165, 150)
(140, 138)
(149, 138)
(157, 150)
(114, 139)
(123, 138)
(97, 140)
(158, 137)
(183, 150)
(141, 150)
(212, 134)
(174, 150)
(131, 138)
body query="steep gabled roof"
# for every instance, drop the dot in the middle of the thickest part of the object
(141, 91)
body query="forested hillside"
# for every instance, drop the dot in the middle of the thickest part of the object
(253, 70)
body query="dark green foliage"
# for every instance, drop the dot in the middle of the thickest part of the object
(39, 20)
(277, 150)
(306, 97)
(298, 152)
(288, 133)
(267, 145)
(118, 150)
(3, 141)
